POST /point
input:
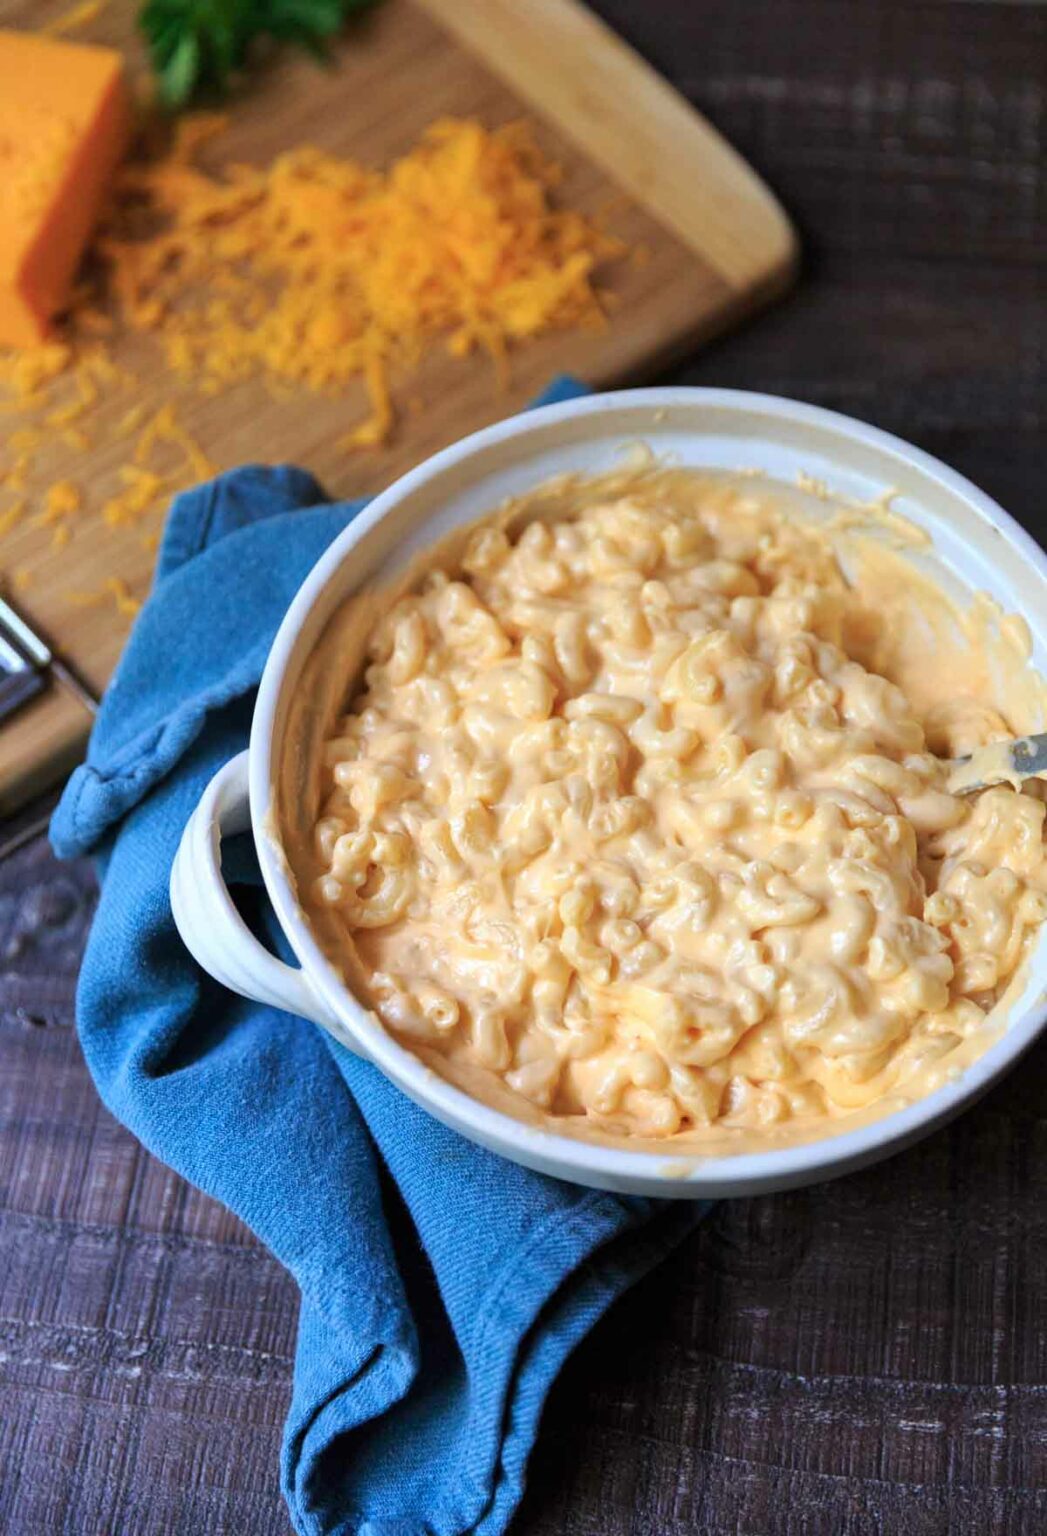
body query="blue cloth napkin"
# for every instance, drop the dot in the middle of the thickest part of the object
(441, 1286)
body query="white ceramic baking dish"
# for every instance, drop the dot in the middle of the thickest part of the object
(977, 547)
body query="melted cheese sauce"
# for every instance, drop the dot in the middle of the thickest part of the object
(634, 825)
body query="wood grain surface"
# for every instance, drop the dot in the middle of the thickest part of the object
(866, 1358)
(715, 245)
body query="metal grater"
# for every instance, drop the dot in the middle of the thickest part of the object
(28, 666)
(23, 662)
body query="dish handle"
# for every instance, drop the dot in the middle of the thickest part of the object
(210, 926)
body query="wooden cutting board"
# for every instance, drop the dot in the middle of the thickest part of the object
(716, 245)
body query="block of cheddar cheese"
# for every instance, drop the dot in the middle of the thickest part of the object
(64, 124)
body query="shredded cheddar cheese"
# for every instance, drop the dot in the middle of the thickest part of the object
(312, 273)
(114, 589)
(12, 515)
(166, 428)
(130, 421)
(315, 270)
(61, 504)
(141, 491)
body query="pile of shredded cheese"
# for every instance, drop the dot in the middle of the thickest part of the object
(308, 273)
(315, 270)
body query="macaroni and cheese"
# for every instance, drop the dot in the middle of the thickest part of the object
(622, 814)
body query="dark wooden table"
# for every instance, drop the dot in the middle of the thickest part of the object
(869, 1356)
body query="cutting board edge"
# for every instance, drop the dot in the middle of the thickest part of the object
(576, 72)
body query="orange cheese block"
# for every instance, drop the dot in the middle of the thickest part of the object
(64, 124)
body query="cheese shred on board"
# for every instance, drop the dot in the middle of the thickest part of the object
(314, 270)
(308, 274)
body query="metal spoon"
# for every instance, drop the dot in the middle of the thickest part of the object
(1001, 762)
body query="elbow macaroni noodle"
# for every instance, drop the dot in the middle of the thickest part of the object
(618, 817)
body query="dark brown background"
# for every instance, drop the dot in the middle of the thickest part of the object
(870, 1356)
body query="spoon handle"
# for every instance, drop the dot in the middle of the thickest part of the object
(1001, 762)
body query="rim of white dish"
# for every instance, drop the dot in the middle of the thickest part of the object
(583, 1161)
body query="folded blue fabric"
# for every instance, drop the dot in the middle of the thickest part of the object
(442, 1287)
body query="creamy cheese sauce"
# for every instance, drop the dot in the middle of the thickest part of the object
(633, 824)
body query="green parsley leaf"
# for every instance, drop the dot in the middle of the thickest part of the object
(197, 45)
